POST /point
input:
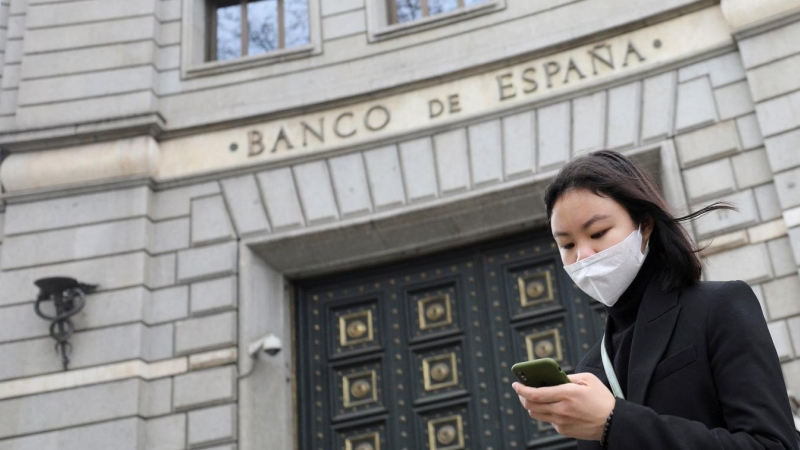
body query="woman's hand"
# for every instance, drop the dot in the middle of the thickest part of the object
(578, 409)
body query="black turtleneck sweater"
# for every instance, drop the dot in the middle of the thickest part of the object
(621, 321)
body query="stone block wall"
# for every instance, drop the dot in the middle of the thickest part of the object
(770, 58)
(153, 361)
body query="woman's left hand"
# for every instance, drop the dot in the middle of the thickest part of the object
(578, 409)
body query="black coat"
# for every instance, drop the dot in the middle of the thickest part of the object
(703, 375)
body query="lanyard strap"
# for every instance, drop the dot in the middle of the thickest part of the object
(609, 368)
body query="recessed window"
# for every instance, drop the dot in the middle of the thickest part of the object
(402, 11)
(241, 28)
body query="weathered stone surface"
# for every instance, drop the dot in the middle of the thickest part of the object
(350, 184)
(213, 358)
(708, 143)
(588, 122)
(207, 261)
(316, 192)
(60, 14)
(722, 221)
(486, 152)
(74, 243)
(658, 106)
(113, 272)
(781, 339)
(749, 131)
(210, 221)
(345, 24)
(89, 348)
(695, 107)
(771, 45)
(87, 85)
(205, 333)
(85, 35)
(782, 151)
(117, 434)
(76, 407)
(794, 238)
(166, 433)
(768, 205)
(176, 202)
(385, 177)
(419, 171)
(709, 180)
(169, 235)
(750, 264)
(733, 100)
(212, 425)
(780, 251)
(779, 114)
(721, 70)
(74, 211)
(452, 161)
(244, 201)
(766, 81)
(214, 295)
(553, 124)
(206, 387)
(623, 115)
(519, 144)
(767, 231)
(781, 297)
(788, 186)
(752, 168)
(161, 271)
(155, 397)
(332, 7)
(165, 305)
(280, 196)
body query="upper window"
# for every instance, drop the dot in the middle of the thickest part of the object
(253, 27)
(403, 11)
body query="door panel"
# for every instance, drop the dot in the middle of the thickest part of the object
(418, 355)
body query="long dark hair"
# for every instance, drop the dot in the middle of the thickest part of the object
(611, 174)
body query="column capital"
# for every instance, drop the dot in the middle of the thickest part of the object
(747, 14)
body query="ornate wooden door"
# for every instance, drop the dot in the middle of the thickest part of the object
(418, 355)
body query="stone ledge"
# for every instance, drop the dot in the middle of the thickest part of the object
(762, 232)
(115, 372)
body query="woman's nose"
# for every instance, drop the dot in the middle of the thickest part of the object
(584, 252)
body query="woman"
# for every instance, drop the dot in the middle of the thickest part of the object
(694, 363)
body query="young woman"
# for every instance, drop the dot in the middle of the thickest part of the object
(692, 363)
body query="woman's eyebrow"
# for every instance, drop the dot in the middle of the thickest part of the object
(586, 225)
(594, 219)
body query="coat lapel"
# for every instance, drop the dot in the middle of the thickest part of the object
(654, 325)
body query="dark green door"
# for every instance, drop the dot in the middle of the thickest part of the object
(418, 355)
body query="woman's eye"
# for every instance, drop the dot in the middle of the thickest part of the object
(599, 234)
(567, 246)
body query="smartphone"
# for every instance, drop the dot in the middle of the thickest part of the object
(540, 372)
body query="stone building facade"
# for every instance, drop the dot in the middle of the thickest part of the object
(367, 152)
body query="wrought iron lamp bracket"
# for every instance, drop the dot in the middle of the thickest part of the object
(69, 297)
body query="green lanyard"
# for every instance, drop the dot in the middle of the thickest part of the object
(609, 368)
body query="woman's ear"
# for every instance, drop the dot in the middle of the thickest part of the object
(647, 230)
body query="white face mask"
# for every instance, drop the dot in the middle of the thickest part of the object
(604, 276)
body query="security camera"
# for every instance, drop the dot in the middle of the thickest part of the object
(269, 344)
